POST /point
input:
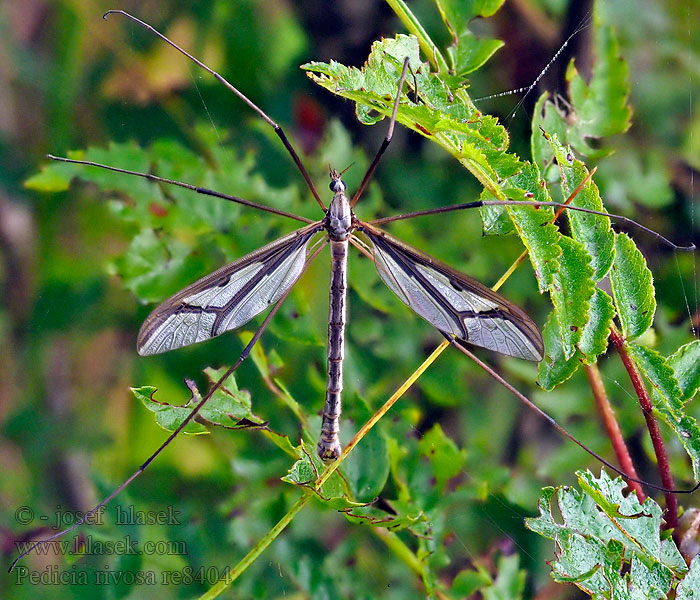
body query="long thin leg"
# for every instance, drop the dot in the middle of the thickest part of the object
(460, 345)
(478, 203)
(278, 130)
(387, 139)
(174, 434)
(188, 186)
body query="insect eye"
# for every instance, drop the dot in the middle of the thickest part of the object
(337, 185)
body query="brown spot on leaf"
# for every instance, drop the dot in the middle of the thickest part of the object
(422, 129)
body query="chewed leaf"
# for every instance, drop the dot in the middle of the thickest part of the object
(600, 104)
(632, 287)
(228, 402)
(168, 416)
(447, 117)
(595, 109)
(622, 548)
(228, 406)
(304, 473)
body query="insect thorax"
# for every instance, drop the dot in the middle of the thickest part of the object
(339, 217)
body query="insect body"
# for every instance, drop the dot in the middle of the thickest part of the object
(456, 304)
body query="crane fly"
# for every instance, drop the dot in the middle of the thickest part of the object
(460, 307)
(457, 305)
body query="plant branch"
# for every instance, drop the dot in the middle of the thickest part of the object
(271, 535)
(413, 26)
(618, 341)
(607, 415)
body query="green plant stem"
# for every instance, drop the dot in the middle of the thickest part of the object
(401, 550)
(413, 26)
(257, 550)
(671, 516)
(271, 535)
(406, 555)
(607, 415)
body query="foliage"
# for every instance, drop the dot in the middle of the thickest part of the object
(407, 514)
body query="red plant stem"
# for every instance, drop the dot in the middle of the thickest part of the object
(607, 414)
(671, 516)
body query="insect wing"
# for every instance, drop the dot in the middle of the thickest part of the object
(227, 298)
(455, 303)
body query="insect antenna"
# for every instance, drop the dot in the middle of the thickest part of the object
(584, 24)
(244, 354)
(278, 129)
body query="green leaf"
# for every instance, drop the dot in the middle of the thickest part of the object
(592, 231)
(594, 340)
(572, 289)
(467, 52)
(367, 468)
(302, 472)
(228, 406)
(661, 376)
(468, 582)
(510, 581)
(688, 588)
(633, 289)
(446, 459)
(685, 366)
(534, 225)
(547, 121)
(228, 403)
(54, 177)
(152, 267)
(555, 368)
(595, 109)
(606, 542)
(168, 416)
(600, 105)
(685, 363)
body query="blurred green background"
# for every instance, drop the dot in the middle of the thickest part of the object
(71, 430)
